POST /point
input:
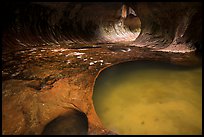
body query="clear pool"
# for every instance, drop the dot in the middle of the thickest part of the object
(150, 98)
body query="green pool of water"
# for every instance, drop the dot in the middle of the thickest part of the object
(150, 98)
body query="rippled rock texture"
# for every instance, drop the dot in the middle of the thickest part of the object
(53, 52)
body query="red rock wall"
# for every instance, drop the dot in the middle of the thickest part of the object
(169, 22)
(163, 23)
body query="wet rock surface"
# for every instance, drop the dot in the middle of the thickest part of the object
(38, 90)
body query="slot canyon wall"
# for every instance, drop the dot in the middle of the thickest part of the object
(53, 52)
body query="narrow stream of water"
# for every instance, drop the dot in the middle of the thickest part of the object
(150, 98)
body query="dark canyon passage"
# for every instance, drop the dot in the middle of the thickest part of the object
(52, 53)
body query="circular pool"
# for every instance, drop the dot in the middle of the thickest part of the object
(146, 97)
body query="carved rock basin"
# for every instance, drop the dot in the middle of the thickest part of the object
(150, 98)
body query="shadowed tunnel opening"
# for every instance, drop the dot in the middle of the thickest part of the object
(38, 24)
(162, 25)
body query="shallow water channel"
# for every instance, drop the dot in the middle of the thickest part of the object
(146, 97)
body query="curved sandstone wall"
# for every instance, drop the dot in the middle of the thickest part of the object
(53, 52)
(163, 24)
